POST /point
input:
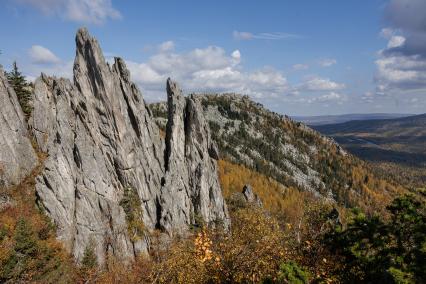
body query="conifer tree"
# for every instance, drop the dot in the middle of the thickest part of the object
(22, 89)
(90, 260)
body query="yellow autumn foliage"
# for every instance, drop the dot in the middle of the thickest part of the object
(287, 202)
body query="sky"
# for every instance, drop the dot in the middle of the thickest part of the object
(317, 57)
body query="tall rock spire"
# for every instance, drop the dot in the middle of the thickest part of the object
(103, 143)
(100, 139)
(191, 191)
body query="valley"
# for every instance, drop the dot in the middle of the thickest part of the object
(395, 145)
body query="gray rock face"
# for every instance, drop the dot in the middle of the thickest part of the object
(191, 188)
(250, 196)
(17, 156)
(101, 139)
(6, 201)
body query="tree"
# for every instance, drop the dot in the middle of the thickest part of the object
(290, 272)
(16, 266)
(90, 260)
(22, 89)
(386, 252)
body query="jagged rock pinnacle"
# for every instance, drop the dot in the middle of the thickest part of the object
(101, 139)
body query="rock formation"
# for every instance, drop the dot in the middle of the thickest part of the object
(250, 196)
(17, 157)
(101, 139)
(191, 188)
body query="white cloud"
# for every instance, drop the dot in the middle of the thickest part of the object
(300, 67)
(265, 36)
(242, 35)
(333, 96)
(59, 69)
(320, 84)
(208, 69)
(40, 59)
(401, 65)
(387, 33)
(236, 55)
(368, 97)
(144, 74)
(327, 62)
(396, 41)
(397, 69)
(324, 99)
(87, 11)
(211, 69)
(42, 55)
(166, 46)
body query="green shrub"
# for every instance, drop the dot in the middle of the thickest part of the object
(376, 250)
(401, 277)
(90, 260)
(290, 272)
(24, 250)
(133, 208)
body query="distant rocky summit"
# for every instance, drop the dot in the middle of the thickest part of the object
(104, 151)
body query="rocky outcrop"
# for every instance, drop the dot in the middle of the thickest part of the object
(250, 197)
(101, 140)
(191, 188)
(17, 156)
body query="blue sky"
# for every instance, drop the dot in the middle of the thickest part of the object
(296, 57)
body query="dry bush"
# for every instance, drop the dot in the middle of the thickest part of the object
(252, 251)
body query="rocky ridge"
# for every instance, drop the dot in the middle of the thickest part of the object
(101, 144)
(270, 143)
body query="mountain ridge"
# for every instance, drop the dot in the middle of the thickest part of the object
(342, 118)
(286, 150)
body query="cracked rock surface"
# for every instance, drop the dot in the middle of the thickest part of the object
(191, 190)
(100, 139)
(17, 157)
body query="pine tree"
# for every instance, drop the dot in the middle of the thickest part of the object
(90, 260)
(22, 89)
(15, 266)
(25, 241)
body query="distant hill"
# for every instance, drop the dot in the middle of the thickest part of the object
(332, 119)
(286, 150)
(400, 141)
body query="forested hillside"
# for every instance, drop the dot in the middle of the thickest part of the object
(289, 152)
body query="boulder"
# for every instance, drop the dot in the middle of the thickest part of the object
(250, 196)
